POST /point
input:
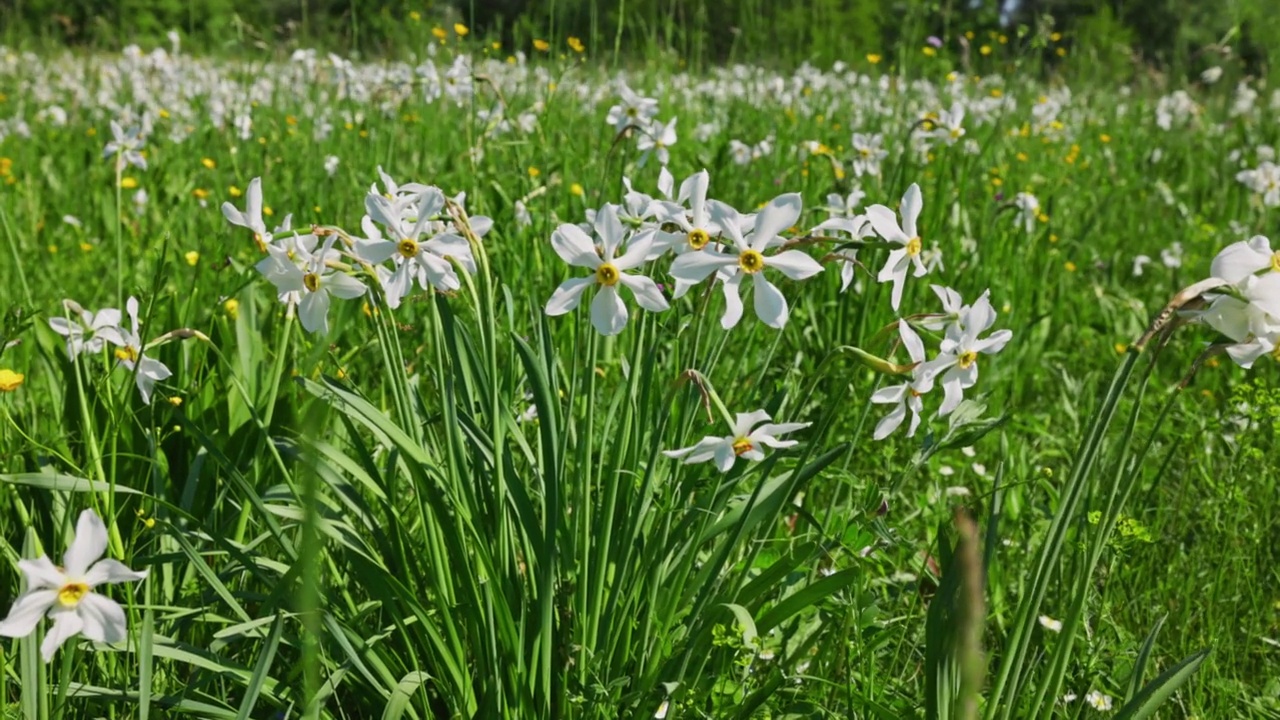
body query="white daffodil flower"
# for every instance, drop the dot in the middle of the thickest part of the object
(66, 594)
(1240, 260)
(130, 353)
(608, 312)
(904, 397)
(907, 235)
(750, 261)
(407, 219)
(953, 309)
(126, 146)
(1251, 318)
(86, 332)
(839, 206)
(251, 218)
(311, 282)
(751, 433)
(657, 140)
(698, 229)
(958, 361)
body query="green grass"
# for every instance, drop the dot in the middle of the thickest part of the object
(367, 524)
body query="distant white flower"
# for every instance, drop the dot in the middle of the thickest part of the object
(1211, 75)
(331, 165)
(1098, 701)
(140, 200)
(1030, 209)
(1069, 698)
(1172, 255)
(1050, 624)
(657, 139)
(949, 126)
(608, 312)
(72, 220)
(907, 235)
(126, 146)
(66, 594)
(751, 433)
(867, 153)
(523, 218)
(1139, 263)
(633, 111)
(845, 206)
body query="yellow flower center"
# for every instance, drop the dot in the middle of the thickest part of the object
(956, 133)
(311, 282)
(967, 359)
(866, 152)
(914, 245)
(751, 261)
(128, 353)
(72, 593)
(632, 112)
(407, 248)
(262, 244)
(742, 445)
(607, 274)
(1275, 261)
(698, 238)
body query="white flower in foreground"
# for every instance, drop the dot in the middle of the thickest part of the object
(907, 235)
(66, 594)
(750, 261)
(85, 333)
(1098, 701)
(1239, 260)
(750, 433)
(608, 312)
(960, 349)
(130, 352)
(408, 219)
(127, 146)
(906, 396)
(311, 283)
(657, 139)
(1050, 624)
(1250, 317)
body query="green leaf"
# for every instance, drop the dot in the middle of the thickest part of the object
(1162, 688)
(403, 694)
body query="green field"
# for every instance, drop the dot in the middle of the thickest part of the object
(421, 388)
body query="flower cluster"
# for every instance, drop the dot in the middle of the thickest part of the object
(1245, 307)
(88, 331)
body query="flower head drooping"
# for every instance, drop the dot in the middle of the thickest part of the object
(83, 329)
(751, 433)
(905, 397)
(907, 235)
(66, 594)
(130, 352)
(608, 312)
(750, 260)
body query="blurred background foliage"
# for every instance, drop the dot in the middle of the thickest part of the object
(1116, 37)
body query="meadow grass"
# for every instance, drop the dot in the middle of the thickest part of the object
(460, 506)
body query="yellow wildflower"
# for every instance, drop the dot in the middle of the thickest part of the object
(10, 380)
